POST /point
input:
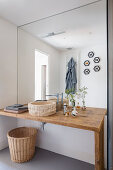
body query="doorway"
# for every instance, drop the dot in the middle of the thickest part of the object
(41, 75)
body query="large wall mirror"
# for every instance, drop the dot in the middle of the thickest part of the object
(47, 48)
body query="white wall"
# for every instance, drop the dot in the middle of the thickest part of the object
(26, 66)
(72, 142)
(95, 81)
(8, 75)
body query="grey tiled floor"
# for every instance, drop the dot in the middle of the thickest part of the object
(43, 160)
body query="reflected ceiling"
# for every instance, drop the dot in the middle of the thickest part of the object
(75, 29)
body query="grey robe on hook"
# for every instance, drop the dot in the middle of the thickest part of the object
(71, 79)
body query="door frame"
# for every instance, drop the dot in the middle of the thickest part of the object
(110, 84)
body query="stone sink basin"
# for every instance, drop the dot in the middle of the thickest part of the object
(42, 108)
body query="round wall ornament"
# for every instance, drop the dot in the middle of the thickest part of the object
(86, 71)
(96, 60)
(96, 68)
(87, 63)
(90, 54)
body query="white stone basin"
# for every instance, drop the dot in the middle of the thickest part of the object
(42, 108)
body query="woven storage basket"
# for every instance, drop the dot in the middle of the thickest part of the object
(22, 143)
(42, 108)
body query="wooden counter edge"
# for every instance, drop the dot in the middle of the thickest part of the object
(42, 119)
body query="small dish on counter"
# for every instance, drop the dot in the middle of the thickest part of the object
(42, 108)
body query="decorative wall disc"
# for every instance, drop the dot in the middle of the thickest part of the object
(96, 60)
(87, 63)
(96, 68)
(86, 71)
(90, 54)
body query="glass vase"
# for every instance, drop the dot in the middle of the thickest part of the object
(83, 105)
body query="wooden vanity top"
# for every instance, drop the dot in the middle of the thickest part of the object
(90, 119)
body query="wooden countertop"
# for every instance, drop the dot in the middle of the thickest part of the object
(90, 119)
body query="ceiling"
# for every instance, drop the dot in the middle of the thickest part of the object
(85, 26)
(21, 12)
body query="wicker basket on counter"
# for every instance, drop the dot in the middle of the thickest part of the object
(22, 143)
(42, 108)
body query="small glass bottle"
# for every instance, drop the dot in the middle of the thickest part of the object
(78, 106)
(65, 110)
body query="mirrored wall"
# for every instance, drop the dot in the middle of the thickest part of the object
(50, 48)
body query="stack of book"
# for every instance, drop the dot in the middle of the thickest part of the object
(16, 108)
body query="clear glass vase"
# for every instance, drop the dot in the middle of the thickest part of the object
(83, 105)
(74, 112)
(73, 104)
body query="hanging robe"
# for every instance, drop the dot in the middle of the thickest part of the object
(71, 79)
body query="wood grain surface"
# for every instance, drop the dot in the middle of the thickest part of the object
(99, 149)
(90, 119)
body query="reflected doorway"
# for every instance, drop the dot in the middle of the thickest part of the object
(41, 75)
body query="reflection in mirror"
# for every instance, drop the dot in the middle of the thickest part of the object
(41, 75)
(47, 47)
